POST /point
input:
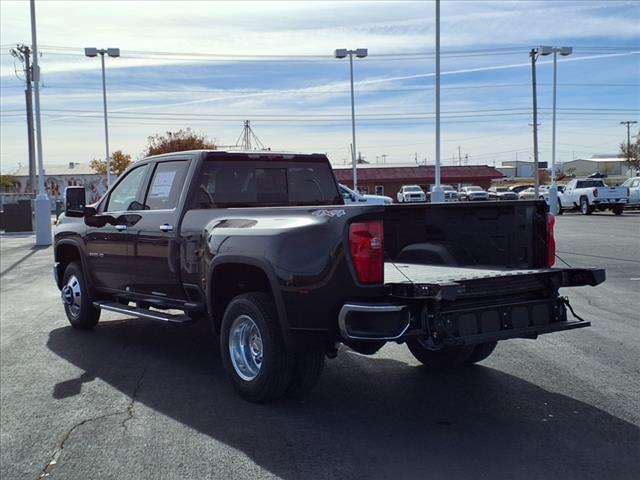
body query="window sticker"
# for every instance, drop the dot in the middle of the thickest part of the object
(162, 184)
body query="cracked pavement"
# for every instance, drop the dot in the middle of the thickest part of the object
(135, 399)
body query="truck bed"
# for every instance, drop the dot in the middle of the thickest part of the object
(436, 274)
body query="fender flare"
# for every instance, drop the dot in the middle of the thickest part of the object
(265, 267)
(81, 252)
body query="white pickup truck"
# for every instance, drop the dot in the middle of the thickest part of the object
(590, 194)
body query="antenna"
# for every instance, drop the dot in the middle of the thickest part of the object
(249, 138)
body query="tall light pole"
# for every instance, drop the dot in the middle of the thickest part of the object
(42, 204)
(360, 53)
(437, 194)
(112, 52)
(553, 190)
(536, 179)
(628, 123)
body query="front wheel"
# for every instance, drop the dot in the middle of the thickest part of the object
(559, 207)
(253, 349)
(77, 299)
(442, 359)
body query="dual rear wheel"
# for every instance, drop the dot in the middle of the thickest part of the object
(254, 353)
(449, 357)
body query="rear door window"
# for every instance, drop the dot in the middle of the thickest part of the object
(166, 185)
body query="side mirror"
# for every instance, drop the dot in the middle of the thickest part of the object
(75, 201)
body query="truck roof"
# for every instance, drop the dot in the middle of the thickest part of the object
(250, 153)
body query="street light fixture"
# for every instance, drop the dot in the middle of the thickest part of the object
(111, 52)
(360, 53)
(553, 190)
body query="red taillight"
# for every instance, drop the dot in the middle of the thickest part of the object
(551, 240)
(595, 192)
(366, 240)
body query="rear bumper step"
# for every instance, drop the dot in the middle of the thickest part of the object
(458, 326)
(144, 313)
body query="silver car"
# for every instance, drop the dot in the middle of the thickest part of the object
(473, 194)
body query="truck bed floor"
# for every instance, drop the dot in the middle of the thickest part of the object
(435, 274)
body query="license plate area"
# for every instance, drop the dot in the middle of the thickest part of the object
(481, 324)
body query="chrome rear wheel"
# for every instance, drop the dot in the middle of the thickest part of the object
(245, 347)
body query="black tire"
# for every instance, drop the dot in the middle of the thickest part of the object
(481, 352)
(559, 207)
(445, 358)
(276, 362)
(618, 209)
(585, 209)
(78, 299)
(307, 369)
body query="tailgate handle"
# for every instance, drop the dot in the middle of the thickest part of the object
(166, 227)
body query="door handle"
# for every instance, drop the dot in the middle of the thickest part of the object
(121, 228)
(166, 227)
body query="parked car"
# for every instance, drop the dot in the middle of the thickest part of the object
(519, 188)
(502, 193)
(411, 193)
(590, 194)
(530, 194)
(633, 184)
(472, 194)
(350, 197)
(450, 193)
(261, 245)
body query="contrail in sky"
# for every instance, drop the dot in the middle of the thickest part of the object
(374, 81)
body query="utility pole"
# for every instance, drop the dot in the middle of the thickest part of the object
(42, 204)
(437, 193)
(628, 123)
(23, 53)
(534, 54)
(459, 157)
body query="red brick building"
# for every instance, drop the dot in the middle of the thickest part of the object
(387, 179)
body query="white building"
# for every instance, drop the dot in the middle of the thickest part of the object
(58, 177)
(609, 165)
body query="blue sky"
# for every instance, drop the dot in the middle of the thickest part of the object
(210, 65)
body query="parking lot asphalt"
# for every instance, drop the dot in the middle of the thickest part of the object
(134, 399)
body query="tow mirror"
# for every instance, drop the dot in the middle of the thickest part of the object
(75, 201)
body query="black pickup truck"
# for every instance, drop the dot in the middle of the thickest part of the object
(261, 245)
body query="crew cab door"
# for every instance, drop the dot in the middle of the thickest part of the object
(108, 246)
(154, 261)
(569, 192)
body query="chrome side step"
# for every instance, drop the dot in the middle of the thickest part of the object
(144, 313)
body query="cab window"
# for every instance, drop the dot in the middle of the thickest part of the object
(125, 196)
(166, 185)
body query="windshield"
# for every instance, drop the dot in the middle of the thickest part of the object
(259, 183)
(412, 189)
(474, 189)
(502, 189)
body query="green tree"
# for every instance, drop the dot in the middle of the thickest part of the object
(631, 153)
(183, 139)
(119, 163)
(7, 182)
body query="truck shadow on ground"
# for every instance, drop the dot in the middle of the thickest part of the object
(368, 418)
